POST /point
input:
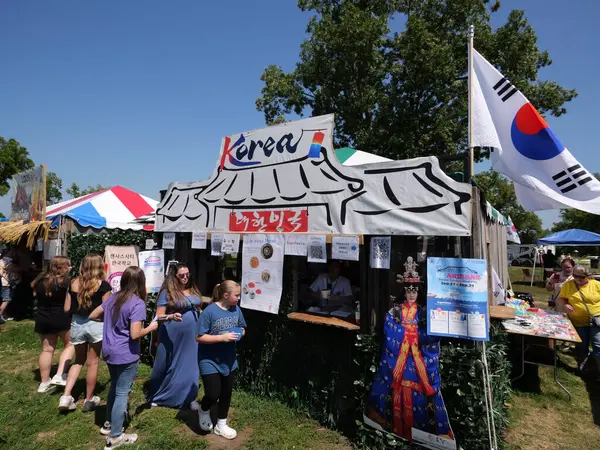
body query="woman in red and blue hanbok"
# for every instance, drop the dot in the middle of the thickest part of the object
(405, 393)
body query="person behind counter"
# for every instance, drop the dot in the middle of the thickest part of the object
(339, 286)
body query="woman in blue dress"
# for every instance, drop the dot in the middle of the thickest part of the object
(175, 374)
(405, 394)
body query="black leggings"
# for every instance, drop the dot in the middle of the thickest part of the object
(217, 388)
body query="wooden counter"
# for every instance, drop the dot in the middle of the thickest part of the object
(320, 320)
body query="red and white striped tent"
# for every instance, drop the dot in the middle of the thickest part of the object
(115, 207)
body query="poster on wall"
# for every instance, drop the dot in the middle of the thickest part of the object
(316, 245)
(287, 178)
(116, 260)
(168, 241)
(231, 244)
(216, 244)
(345, 248)
(199, 240)
(262, 272)
(457, 298)
(380, 252)
(28, 197)
(405, 397)
(295, 244)
(153, 264)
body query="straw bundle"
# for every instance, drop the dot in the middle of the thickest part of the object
(13, 232)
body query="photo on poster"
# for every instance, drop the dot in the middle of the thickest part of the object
(317, 248)
(457, 298)
(405, 397)
(380, 252)
(345, 248)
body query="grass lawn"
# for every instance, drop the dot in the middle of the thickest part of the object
(29, 420)
(542, 416)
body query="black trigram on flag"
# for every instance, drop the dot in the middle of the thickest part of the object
(504, 89)
(570, 179)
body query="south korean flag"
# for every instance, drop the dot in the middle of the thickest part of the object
(545, 173)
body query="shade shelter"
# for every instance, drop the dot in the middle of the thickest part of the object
(574, 237)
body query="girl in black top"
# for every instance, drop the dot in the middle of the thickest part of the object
(51, 322)
(88, 291)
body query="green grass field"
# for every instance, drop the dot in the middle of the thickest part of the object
(31, 421)
(544, 418)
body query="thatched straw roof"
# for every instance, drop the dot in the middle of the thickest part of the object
(13, 232)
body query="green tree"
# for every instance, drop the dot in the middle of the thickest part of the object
(75, 191)
(574, 218)
(14, 158)
(53, 188)
(500, 192)
(404, 94)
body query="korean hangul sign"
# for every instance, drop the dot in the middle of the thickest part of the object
(116, 260)
(269, 221)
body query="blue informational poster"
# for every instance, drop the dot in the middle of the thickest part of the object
(457, 298)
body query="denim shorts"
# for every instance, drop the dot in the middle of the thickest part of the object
(6, 293)
(85, 331)
(588, 335)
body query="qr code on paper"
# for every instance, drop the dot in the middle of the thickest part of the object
(316, 252)
(381, 249)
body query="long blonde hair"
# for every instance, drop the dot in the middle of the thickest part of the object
(90, 272)
(222, 288)
(56, 274)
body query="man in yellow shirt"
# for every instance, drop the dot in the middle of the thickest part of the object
(580, 299)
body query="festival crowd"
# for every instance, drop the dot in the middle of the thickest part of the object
(93, 322)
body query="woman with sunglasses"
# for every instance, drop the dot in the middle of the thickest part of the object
(175, 373)
(580, 299)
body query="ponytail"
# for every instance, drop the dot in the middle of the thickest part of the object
(216, 295)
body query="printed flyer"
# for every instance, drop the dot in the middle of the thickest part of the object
(457, 298)
(262, 272)
(116, 260)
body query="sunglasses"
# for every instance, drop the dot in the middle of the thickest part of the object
(183, 276)
(580, 277)
(411, 288)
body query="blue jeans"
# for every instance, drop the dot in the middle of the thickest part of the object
(588, 335)
(121, 380)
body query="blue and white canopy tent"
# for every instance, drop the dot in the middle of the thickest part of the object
(572, 238)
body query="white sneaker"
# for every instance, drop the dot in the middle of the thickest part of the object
(195, 406)
(45, 387)
(59, 380)
(122, 439)
(225, 431)
(90, 405)
(66, 403)
(205, 421)
(105, 430)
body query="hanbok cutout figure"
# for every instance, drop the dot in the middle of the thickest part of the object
(405, 393)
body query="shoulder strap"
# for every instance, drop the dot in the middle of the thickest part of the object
(584, 302)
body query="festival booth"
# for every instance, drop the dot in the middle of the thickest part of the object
(278, 209)
(115, 208)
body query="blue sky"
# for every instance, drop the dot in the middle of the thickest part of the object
(140, 93)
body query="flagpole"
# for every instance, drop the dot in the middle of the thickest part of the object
(471, 35)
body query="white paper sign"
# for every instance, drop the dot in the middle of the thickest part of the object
(345, 247)
(153, 264)
(168, 241)
(231, 244)
(150, 244)
(498, 292)
(317, 248)
(295, 244)
(380, 252)
(262, 272)
(216, 241)
(199, 239)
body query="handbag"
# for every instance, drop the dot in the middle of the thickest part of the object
(594, 320)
